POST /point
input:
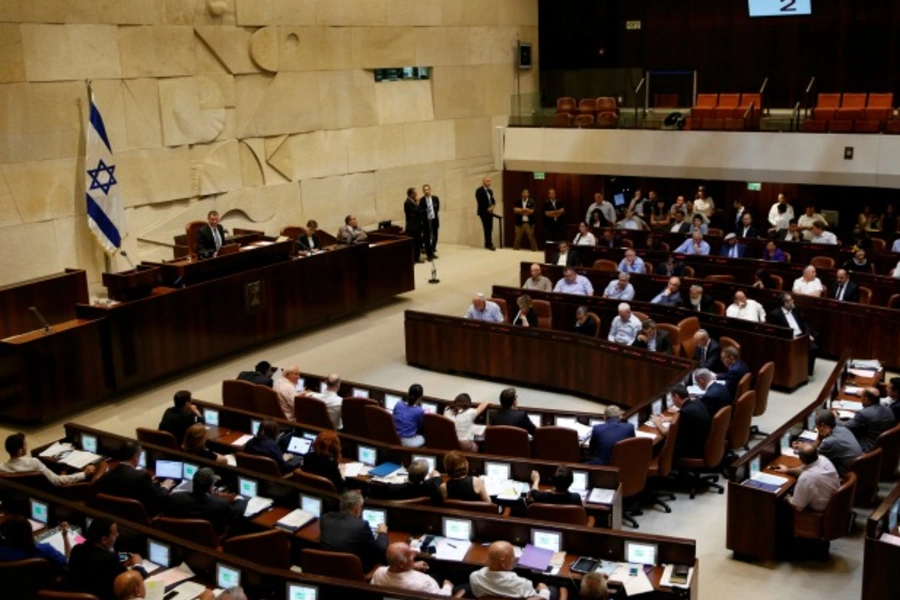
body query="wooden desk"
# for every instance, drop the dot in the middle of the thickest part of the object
(881, 556)
(187, 271)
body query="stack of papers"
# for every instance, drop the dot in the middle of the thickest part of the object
(666, 579)
(56, 448)
(294, 520)
(852, 390)
(505, 489)
(241, 441)
(766, 482)
(172, 576)
(230, 460)
(845, 414)
(645, 434)
(867, 365)
(634, 585)
(384, 469)
(535, 558)
(601, 496)
(352, 469)
(256, 505)
(79, 459)
(847, 405)
(809, 436)
(451, 549)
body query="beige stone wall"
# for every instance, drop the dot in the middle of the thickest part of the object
(266, 110)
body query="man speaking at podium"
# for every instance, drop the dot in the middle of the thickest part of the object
(211, 237)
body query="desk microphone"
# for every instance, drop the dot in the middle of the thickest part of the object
(124, 255)
(41, 319)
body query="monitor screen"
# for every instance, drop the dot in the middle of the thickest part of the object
(302, 591)
(535, 418)
(619, 199)
(247, 487)
(142, 460)
(786, 443)
(367, 455)
(547, 540)
(640, 554)
(579, 481)
(40, 512)
(254, 426)
(429, 407)
(211, 417)
(301, 385)
(779, 8)
(374, 517)
(227, 577)
(496, 470)
(594, 422)
(457, 529)
(189, 471)
(311, 504)
(323, 387)
(390, 401)
(431, 460)
(158, 553)
(168, 469)
(657, 407)
(754, 466)
(89, 443)
(360, 393)
(635, 420)
(566, 422)
(299, 445)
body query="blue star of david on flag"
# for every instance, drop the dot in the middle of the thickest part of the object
(107, 182)
(105, 213)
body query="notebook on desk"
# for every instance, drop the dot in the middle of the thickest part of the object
(535, 558)
(384, 469)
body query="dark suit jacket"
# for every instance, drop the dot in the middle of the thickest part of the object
(851, 292)
(325, 466)
(870, 422)
(663, 269)
(781, 233)
(217, 510)
(307, 243)
(93, 570)
(430, 488)
(707, 304)
(716, 398)
(663, 343)
(343, 532)
(605, 436)
(485, 199)
(176, 421)
(571, 258)
(589, 328)
(732, 377)
(726, 250)
(776, 317)
(254, 377)
(694, 423)
(206, 245)
(713, 360)
(751, 232)
(511, 417)
(125, 481)
(548, 206)
(685, 228)
(413, 213)
(268, 449)
(615, 242)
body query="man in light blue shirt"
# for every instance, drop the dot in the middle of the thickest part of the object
(695, 245)
(896, 247)
(484, 310)
(573, 283)
(620, 289)
(669, 296)
(625, 327)
(632, 263)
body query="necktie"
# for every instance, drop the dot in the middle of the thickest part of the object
(840, 292)
(216, 238)
(703, 355)
(430, 208)
(733, 253)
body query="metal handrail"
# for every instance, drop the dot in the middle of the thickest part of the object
(809, 87)
(795, 114)
(762, 101)
(636, 90)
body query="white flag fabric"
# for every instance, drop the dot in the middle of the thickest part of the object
(106, 216)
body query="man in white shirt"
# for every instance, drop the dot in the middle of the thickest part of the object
(806, 220)
(774, 214)
(808, 284)
(679, 225)
(817, 483)
(620, 289)
(499, 579)
(405, 573)
(20, 462)
(286, 388)
(537, 281)
(821, 236)
(625, 327)
(331, 398)
(585, 237)
(746, 309)
(484, 310)
(605, 208)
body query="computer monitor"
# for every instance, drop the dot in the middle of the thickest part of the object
(755, 466)
(311, 504)
(374, 517)
(535, 418)
(497, 470)
(431, 460)
(658, 406)
(40, 512)
(367, 455)
(300, 385)
(247, 487)
(299, 445)
(429, 407)
(786, 443)
(457, 529)
(547, 540)
(323, 387)
(158, 553)
(302, 591)
(391, 400)
(565, 422)
(579, 481)
(619, 199)
(254, 426)
(142, 460)
(635, 420)
(227, 577)
(211, 417)
(89, 443)
(593, 422)
(169, 469)
(637, 553)
(360, 393)
(189, 471)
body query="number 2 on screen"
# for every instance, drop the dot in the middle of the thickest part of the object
(788, 6)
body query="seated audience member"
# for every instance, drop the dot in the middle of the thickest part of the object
(20, 462)
(566, 257)
(286, 388)
(895, 248)
(670, 268)
(861, 239)
(625, 327)
(694, 245)
(609, 239)
(715, 395)
(781, 206)
(307, 243)
(509, 413)
(817, 482)
(773, 253)
(179, 417)
(232, 593)
(604, 206)
(632, 222)
(679, 223)
(562, 481)
(732, 248)
(893, 390)
(94, 564)
(498, 578)
(537, 281)
(460, 485)
(211, 237)
(763, 280)
(17, 543)
(331, 398)
(653, 339)
(791, 234)
(419, 484)
(463, 414)
(403, 573)
(573, 283)
(806, 220)
(786, 315)
(346, 531)
(703, 204)
(659, 215)
(656, 243)
(680, 206)
(605, 435)
(526, 317)
(707, 352)
(130, 586)
(694, 424)
(484, 310)
(632, 263)
(837, 444)
(808, 284)
(669, 296)
(127, 481)
(202, 502)
(584, 237)
(195, 443)
(350, 233)
(735, 369)
(822, 236)
(844, 289)
(409, 417)
(700, 302)
(323, 459)
(596, 220)
(260, 375)
(583, 324)
(620, 288)
(746, 229)
(870, 422)
(859, 263)
(699, 225)
(265, 443)
(593, 587)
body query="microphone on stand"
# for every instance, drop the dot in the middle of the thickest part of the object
(124, 255)
(40, 317)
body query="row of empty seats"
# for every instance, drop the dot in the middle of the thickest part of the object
(587, 112)
(852, 112)
(733, 112)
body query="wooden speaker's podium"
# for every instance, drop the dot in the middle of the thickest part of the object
(132, 285)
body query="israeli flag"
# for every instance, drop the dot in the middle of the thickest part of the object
(106, 216)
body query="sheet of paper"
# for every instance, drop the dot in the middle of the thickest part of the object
(809, 436)
(602, 496)
(188, 590)
(845, 414)
(295, 519)
(451, 549)
(150, 567)
(479, 429)
(78, 459)
(852, 390)
(154, 590)
(666, 579)
(55, 448)
(770, 479)
(231, 460)
(847, 405)
(170, 577)
(241, 441)
(639, 584)
(789, 452)
(644, 434)
(890, 539)
(35, 525)
(256, 505)
(352, 469)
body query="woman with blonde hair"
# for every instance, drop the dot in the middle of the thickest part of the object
(526, 317)
(195, 443)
